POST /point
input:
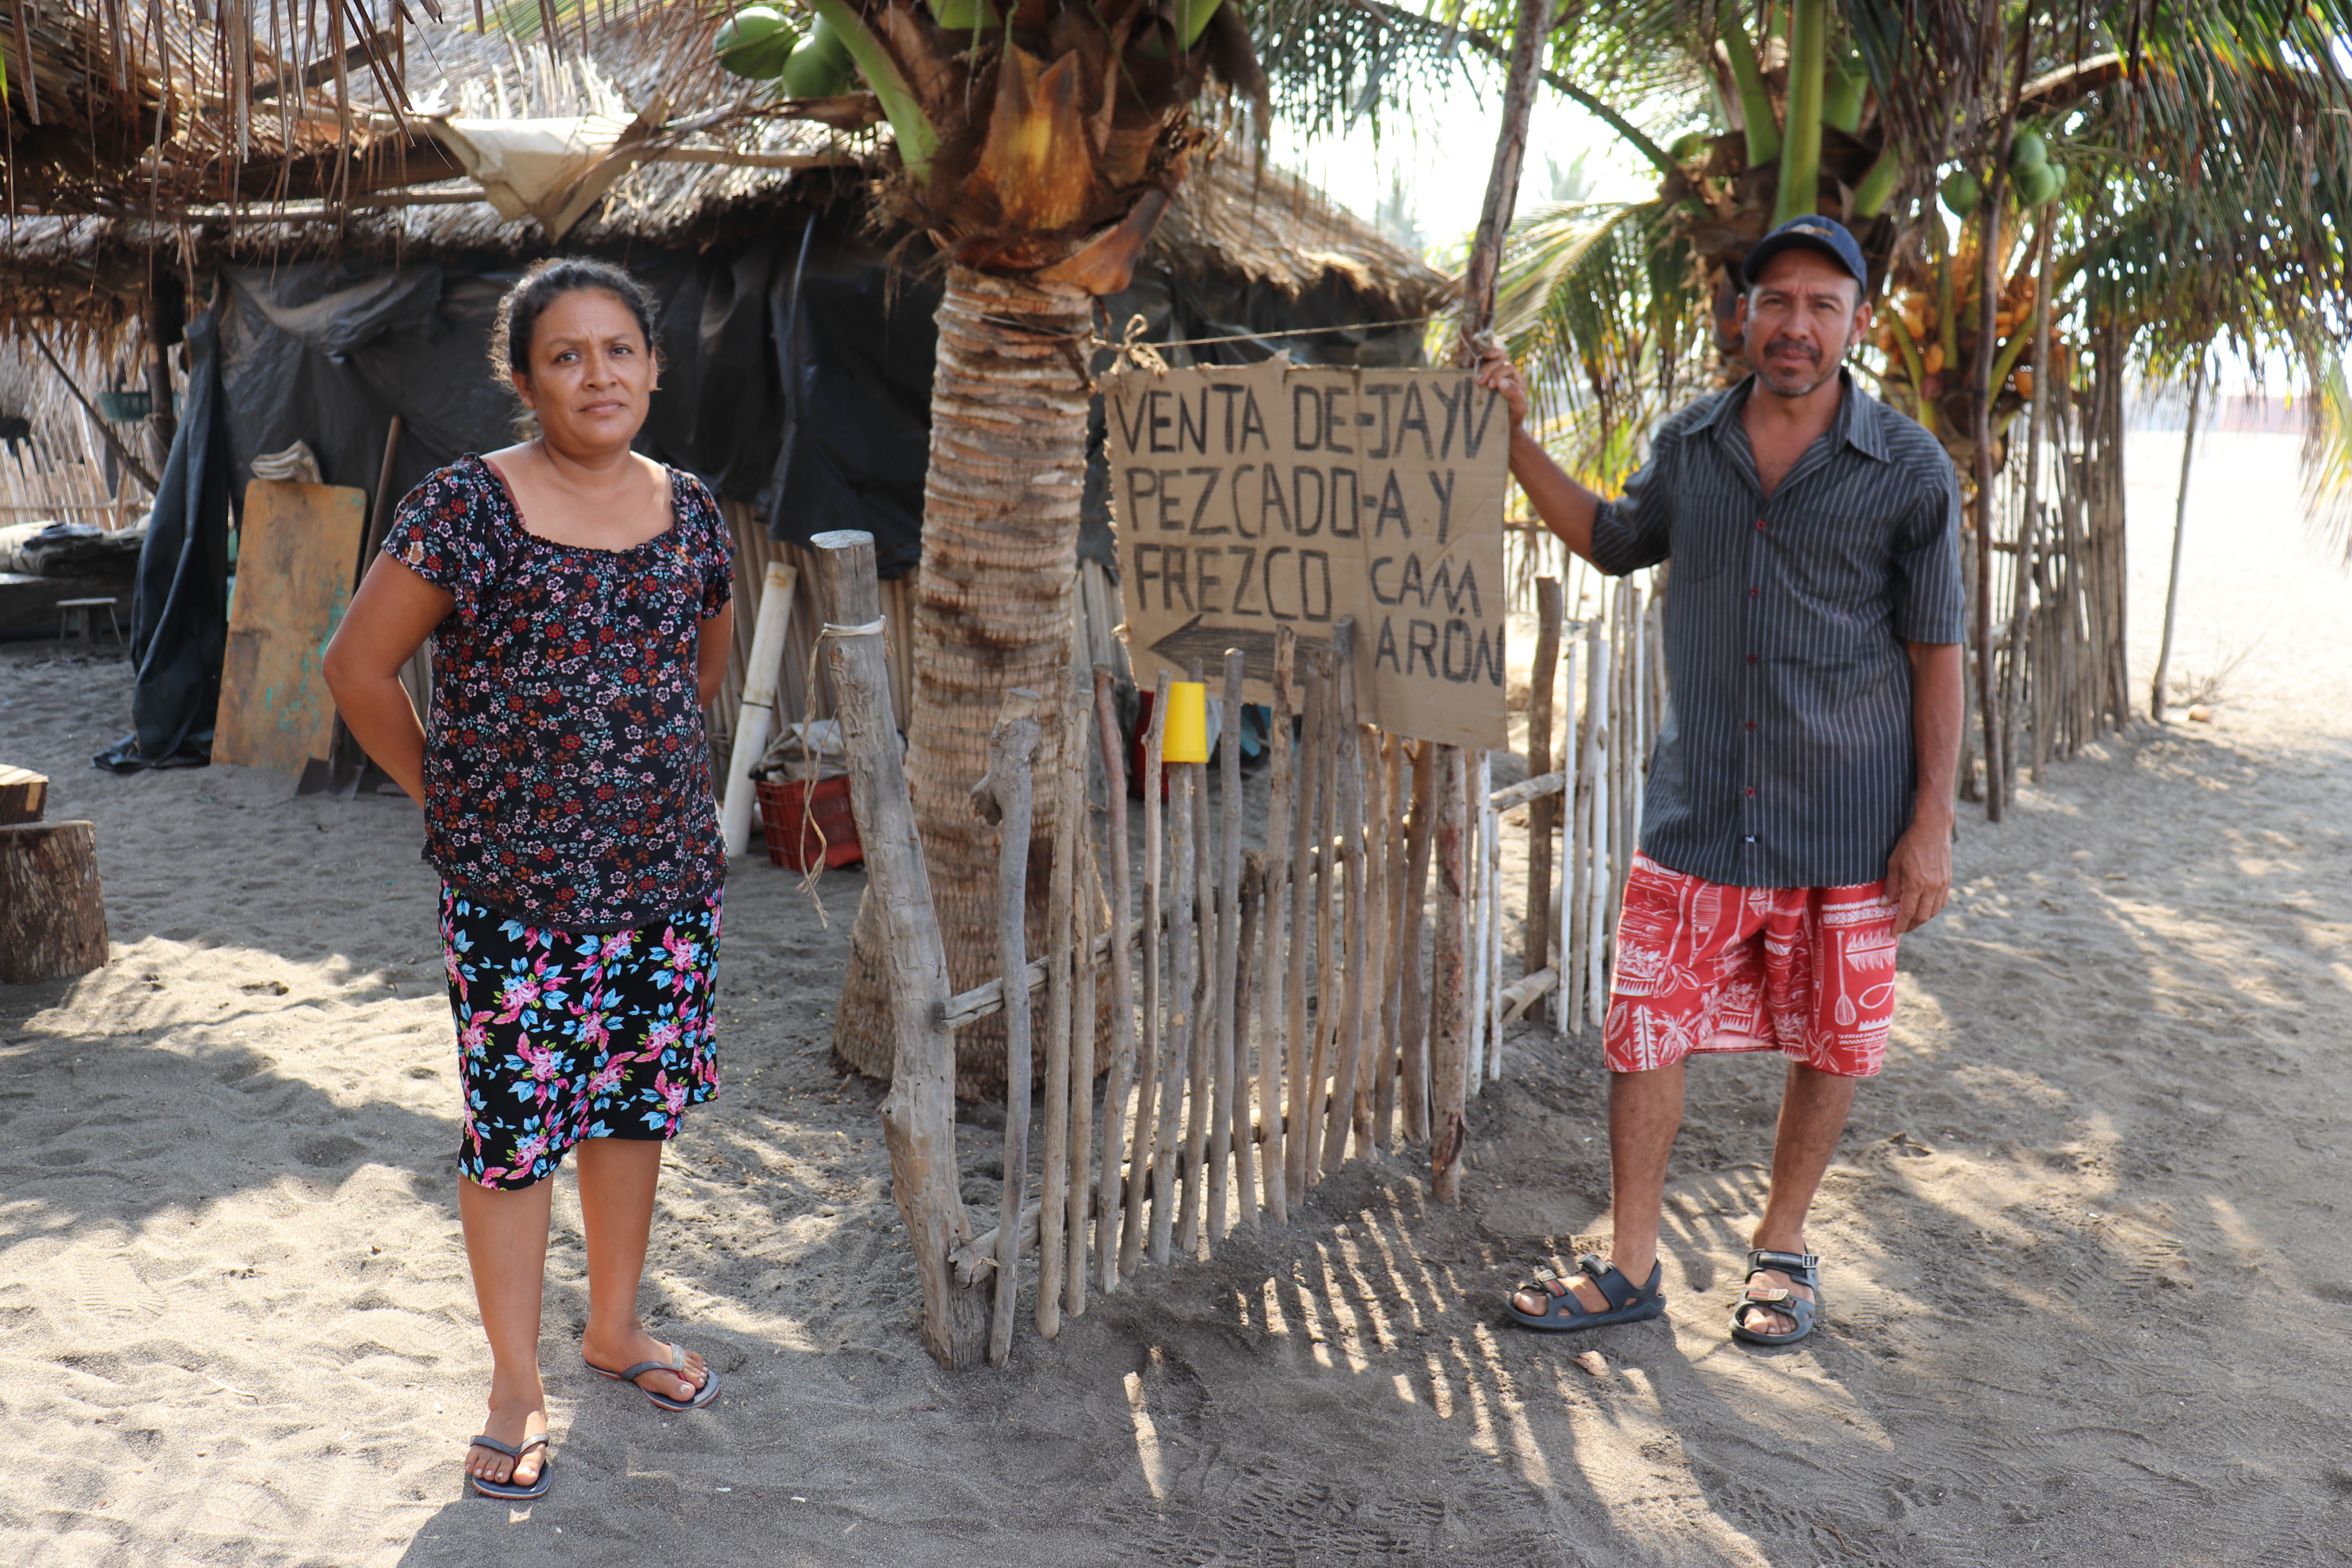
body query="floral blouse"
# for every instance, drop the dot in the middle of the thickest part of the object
(567, 776)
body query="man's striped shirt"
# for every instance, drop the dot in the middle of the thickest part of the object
(1785, 758)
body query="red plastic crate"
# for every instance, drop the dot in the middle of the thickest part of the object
(791, 843)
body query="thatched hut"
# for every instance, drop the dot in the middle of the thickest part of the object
(796, 330)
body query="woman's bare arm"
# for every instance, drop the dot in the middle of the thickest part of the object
(716, 641)
(390, 618)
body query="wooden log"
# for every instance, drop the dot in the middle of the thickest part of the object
(1412, 1047)
(1300, 1113)
(52, 909)
(1347, 1037)
(1109, 1172)
(1543, 810)
(1223, 995)
(1276, 1034)
(1449, 1030)
(1061, 984)
(24, 794)
(756, 717)
(1392, 837)
(1530, 792)
(919, 1113)
(1176, 1069)
(1147, 1108)
(1526, 991)
(1003, 797)
(988, 999)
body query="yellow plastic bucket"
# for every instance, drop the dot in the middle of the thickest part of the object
(1186, 739)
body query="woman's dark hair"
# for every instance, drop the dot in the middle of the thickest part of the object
(546, 282)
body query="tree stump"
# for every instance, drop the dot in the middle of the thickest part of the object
(22, 793)
(52, 916)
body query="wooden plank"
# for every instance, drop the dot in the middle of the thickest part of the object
(1109, 1172)
(1449, 1024)
(1004, 797)
(1348, 1036)
(294, 555)
(1275, 1032)
(1146, 1116)
(1070, 821)
(1221, 994)
(1550, 614)
(52, 911)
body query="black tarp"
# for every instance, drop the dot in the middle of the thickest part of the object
(796, 379)
(179, 603)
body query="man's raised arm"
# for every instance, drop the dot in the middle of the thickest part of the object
(1565, 506)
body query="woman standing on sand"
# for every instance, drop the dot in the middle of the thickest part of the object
(577, 596)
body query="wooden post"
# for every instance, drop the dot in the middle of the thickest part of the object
(1449, 1032)
(2157, 695)
(1085, 1024)
(1061, 883)
(1348, 1036)
(919, 1113)
(52, 909)
(1490, 957)
(1242, 1130)
(756, 716)
(1596, 880)
(1328, 1008)
(1566, 996)
(1304, 1104)
(1175, 1075)
(1111, 1175)
(1003, 798)
(1536, 952)
(1412, 1050)
(1277, 1037)
(1192, 1168)
(1389, 949)
(1146, 1111)
(1480, 820)
(24, 794)
(1222, 997)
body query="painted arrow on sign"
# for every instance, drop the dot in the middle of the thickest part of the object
(1208, 644)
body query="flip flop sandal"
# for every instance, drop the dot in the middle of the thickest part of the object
(508, 1490)
(1563, 1313)
(676, 1364)
(1804, 1268)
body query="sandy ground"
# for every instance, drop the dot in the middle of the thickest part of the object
(2088, 1270)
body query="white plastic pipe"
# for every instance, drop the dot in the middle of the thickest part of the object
(757, 718)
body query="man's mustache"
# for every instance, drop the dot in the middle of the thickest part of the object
(1778, 344)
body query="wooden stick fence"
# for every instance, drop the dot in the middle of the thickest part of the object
(1271, 1014)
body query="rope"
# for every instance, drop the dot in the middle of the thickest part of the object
(809, 824)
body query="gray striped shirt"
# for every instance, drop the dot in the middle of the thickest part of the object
(1785, 757)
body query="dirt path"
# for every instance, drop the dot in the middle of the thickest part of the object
(2089, 1279)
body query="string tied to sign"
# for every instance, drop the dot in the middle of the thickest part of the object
(814, 866)
(1131, 350)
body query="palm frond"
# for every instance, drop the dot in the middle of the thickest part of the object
(2327, 455)
(1596, 308)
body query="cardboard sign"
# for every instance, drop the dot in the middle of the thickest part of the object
(1246, 500)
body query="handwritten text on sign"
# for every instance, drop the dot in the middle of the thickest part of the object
(1250, 499)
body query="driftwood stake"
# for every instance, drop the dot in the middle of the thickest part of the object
(1147, 1109)
(1388, 948)
(1222, 997)
(919, 1113)
(1275, 1035)
(1348, 1032)
(1301, 1112)
(1061, 883)
(1003, 798)
(1109, 1175)
(1414, 1048)
(1327, 935)
(1543, 811)
(1176, 993)
(1242, 1129)
(1449, 1032)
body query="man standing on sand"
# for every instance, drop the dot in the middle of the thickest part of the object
(1798, 814)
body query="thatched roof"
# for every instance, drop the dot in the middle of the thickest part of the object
(716, 162)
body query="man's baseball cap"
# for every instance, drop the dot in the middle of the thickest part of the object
(1813, 233)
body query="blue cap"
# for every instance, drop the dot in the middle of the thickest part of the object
(1813, 233)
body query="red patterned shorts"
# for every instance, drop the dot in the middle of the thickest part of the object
(1807, 972)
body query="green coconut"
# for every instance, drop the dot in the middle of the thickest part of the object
(1961, 192)
(2027, 152)
(2038, 185)
(755, 43)
(820, 67)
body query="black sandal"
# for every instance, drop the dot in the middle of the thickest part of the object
(1804, 1269)
(1563, 1313)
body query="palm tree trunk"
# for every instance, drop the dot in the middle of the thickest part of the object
(993, 612)
(2156, 695)
(1799, 187)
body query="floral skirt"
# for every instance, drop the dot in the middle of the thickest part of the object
(563, 1036)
